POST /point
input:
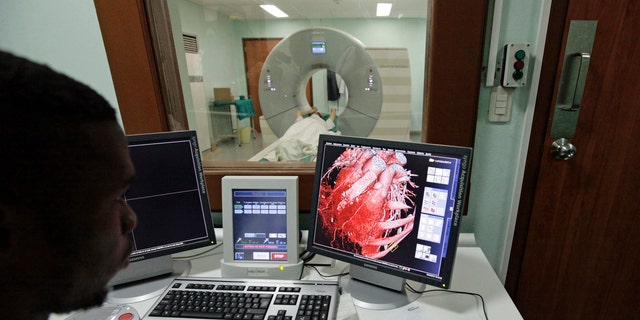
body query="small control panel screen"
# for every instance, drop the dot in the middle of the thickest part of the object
(260, 224)
(318, 47)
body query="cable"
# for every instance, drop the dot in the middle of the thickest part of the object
(410, 288)
(306, 256)
(484, 305)
(324, 276)
(199, 254)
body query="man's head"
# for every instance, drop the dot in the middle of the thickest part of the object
(64, 229)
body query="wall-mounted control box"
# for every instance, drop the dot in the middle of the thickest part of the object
(515, 64)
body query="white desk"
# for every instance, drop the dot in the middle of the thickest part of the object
(472, 273)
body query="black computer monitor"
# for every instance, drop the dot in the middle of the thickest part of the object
(391, 210)
(169, 196)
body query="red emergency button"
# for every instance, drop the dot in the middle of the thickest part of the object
(518, 65)
(279, 256)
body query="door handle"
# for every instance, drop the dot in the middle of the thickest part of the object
(562, 149)
(577, 84)
(571, 90)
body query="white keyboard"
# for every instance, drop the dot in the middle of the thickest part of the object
(255, 299)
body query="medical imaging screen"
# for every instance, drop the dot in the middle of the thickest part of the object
(391, 206)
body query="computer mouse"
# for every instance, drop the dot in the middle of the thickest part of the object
(107, 312)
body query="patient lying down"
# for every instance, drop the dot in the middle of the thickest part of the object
(300, 141)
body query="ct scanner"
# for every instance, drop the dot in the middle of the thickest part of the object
(292, 62)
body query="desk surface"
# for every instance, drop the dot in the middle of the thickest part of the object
(472, 273)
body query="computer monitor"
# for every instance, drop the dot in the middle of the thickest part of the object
(260, 227)
(391, 210)
(169, 197)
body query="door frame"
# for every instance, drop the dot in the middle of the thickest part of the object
(537, 148)
(247, 66)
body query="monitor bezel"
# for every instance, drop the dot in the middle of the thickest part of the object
(464, 153)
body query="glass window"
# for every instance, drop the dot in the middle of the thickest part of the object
(221, 47)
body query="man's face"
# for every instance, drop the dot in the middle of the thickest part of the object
(89, 239)
(106, 228)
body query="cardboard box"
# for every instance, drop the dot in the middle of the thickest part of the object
(222, 95)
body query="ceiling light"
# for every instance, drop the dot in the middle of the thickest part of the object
(383, 10)
(273, 10)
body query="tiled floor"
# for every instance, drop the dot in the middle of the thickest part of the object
(230, 149)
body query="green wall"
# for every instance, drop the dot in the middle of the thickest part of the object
(500, 148)
(63, 34)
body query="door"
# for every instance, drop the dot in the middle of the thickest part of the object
(576, 251)
(255, 53)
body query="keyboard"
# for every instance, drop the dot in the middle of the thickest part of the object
(254, 299)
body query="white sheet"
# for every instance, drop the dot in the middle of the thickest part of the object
(300, 141)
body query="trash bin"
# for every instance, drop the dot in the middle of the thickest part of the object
(245, 135)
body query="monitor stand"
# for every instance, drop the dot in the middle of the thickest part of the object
(375, 290)
(146, 279)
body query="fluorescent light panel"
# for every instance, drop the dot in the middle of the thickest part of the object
(383, 9)
(273, 10)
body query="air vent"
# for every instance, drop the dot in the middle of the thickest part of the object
(190, 43)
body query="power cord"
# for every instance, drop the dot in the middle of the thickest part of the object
(325, 276)
(477, 295)
(199, 254)
(409, 287)
(306, 256)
